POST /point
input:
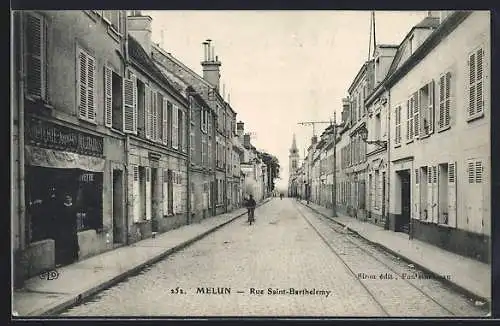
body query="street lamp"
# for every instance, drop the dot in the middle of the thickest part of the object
(363, 132)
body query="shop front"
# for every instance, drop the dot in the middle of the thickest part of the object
(64, 192)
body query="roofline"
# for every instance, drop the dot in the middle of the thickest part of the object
(358, 76)
(443, 30)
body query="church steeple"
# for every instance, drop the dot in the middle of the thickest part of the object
(294, 156)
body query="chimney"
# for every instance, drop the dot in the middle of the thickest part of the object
(240, 129)
(140, 28)
(345, 109)
(314, 139)
(210, 64)
(246, 140)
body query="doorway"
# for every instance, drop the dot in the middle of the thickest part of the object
(383, 217)
(404, 225)
(118, 221)
(154, 199)
(370, 196)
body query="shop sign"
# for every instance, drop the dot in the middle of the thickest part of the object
(49, 135)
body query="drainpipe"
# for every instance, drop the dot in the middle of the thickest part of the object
(21, 178)
(388, 126)
(127, 209)
(188, 149)
(225, 162)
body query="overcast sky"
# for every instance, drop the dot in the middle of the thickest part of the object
(281, 67)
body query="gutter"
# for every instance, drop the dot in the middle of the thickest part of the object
(188, 161)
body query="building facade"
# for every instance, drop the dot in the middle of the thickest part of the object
(440, 155)
(66, 145)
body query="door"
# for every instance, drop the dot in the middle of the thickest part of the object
(154, 199)
(383, 197)
(118, 216)
(405, 201)
(370, 196)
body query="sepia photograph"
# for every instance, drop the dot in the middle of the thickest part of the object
(250, 163)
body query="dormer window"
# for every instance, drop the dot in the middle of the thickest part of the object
(411, 45)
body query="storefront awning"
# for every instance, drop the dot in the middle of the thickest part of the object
(50, 158)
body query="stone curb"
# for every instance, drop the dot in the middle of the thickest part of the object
(75, 300)
(455, 286)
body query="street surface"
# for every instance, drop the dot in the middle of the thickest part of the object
(291, 262)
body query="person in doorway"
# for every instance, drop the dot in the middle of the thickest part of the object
(67, 247)
(281, 196)
(250, 204)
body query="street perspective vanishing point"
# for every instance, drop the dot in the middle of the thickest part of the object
(318, 163)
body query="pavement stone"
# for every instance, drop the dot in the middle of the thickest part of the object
(469, 275)
(87, 277)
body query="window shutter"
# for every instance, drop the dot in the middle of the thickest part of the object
(442, 82)
(175, 127)
(165, 121)
(479, 198)
(170, 192)
(416, 196)
(108, 96)
(479, 82)
(135, 193)
(148, 193)
(185, 123)
(82, 84)
(91, 72)
(154, 121)
(430, 199)
(147, 111)
(447, 104)
(208, 157)
(416, 117)
(435, 194)
(431, 108)
(165, 192)
(129, 106)
(35, 56)
(472, 84)
(452, 194)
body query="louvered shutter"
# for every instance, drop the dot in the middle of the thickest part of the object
(175, 127)
(479, 81)
(416, 195)
(91, 74)
(470, 199)
(479, 203)
(147, 111)
(165, 122)
(472, 84)
(416, 116)
(442, 82)
(185, 123)
(154, 124)
(447, 103)
(129, 106)
(82, 84)
(108, 96)
(452, 194)
(36, 47)
(165, 192)
(148, 193)
(430, 197)
(435, 194)
(136, 200)
(423, 113)
(431, 108)
(135, 110)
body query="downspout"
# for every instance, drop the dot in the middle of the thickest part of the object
(128, 211)
(21, 178)
(225, 161)
(388, 126)
(188, 170)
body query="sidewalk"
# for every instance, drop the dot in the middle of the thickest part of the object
(470, 276)
(87, 277)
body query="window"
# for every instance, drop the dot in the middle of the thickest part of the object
(410, 104)
(397, 140)
(204, 150)
(175, 127)
(208, 160)
(36, 56)
(443, 193)
(159, 117)
(411, 45)
(444, 101)
(164, 120)
(85, 84)
(416, 115)
(113, 17)
(378, 125)
(426, 107)
(476, 80)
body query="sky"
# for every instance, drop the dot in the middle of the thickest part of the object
(281, 67)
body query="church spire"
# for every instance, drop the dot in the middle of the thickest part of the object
(294, 145)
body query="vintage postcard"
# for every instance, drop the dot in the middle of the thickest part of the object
(251, 163)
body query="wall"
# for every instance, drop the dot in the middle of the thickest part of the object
(463, 140)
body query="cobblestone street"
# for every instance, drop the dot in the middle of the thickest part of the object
(291, 262)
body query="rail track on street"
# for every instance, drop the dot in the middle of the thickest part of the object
(397, 288)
